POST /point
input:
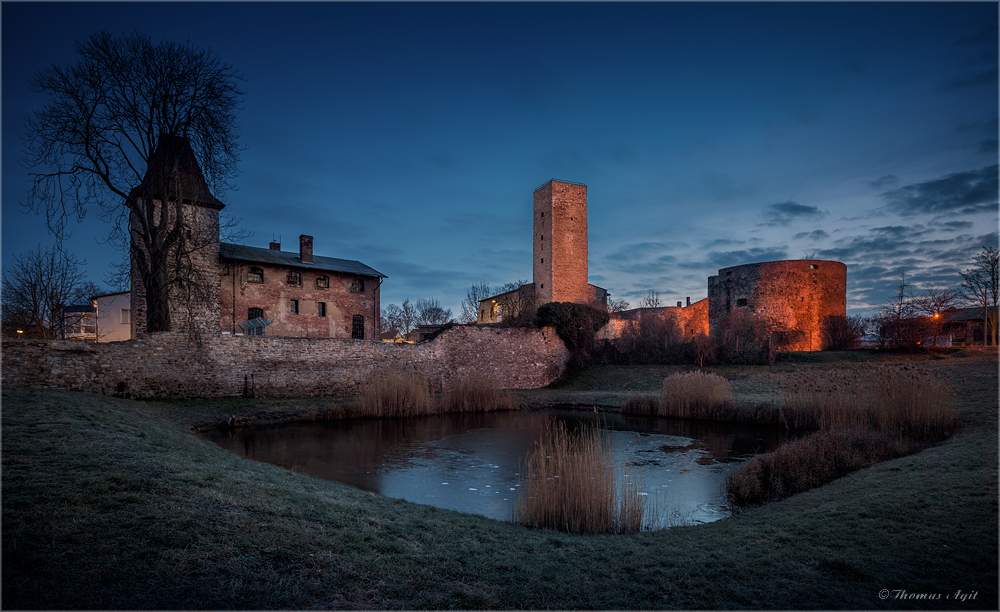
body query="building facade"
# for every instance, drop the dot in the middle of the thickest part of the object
(302, 295)
(114, 316)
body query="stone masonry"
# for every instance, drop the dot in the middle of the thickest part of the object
(169, 365)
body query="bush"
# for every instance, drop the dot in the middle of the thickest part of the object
(576, 324)
(478, 394)
(694, 395)
(744, 338)
(569, 482)
(842, 333)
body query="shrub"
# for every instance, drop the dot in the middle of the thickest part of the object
(478, 394)
(842, 333)
(576, 324)
(744, 338)
(694, 395)
(391, 394)
(569, 482)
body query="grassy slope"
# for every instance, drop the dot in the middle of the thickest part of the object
(113, 504)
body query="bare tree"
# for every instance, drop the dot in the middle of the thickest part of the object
(981, 286)
(650, 300)
(470, 305)
(402, 319)
(516, 303)
(36, 289)
(430, 312)
(619, 305)
(93, 141)
(937, 306)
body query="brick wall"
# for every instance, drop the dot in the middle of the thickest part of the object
(690, 320)
(169, 365)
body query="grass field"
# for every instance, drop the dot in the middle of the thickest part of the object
(110, 503)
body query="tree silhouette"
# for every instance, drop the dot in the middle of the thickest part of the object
(92, 142)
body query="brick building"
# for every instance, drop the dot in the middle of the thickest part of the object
(559, 251)
(213, 287)
(307, 296)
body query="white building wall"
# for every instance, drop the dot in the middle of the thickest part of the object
(114, 317)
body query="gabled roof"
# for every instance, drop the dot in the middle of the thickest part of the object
(173, 167)
(291, 260)
(968, 314)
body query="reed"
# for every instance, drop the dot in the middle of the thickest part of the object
(394, 394)
(694, 395)
(813, 461)
(903, 399)
(478, 394)
(570, 483)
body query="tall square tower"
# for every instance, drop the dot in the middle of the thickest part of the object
(560, 243)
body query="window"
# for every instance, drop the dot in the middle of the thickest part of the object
(294, 308)
(813, 267)
(322, 281)
(255, 275)
(741, 302)
(321, 308)
(294, 279)
(255, 313)
(358, 285)
(126, 316)
(358, 327)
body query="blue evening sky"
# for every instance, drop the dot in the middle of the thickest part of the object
(411, 136)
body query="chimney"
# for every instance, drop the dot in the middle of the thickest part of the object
(689, 301)
(305, 248)
(275, 246)
(678, 304)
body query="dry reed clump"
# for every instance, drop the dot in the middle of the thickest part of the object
(866, 415)
(902, 399)
(570, 483)
(392, 394)
(694, 395)
(811, 462)
(478, 394)
(641, 404)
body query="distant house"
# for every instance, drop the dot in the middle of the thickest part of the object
(302, 295)
(79, 322)
(966, 327)
(392, 336)
(114, 316)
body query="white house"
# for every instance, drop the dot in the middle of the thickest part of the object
(114, 318)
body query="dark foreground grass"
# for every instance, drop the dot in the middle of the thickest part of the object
(112, 503)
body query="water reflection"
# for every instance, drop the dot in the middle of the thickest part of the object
(470, 463)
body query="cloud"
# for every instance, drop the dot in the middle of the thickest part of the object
(883, 182)
(725, 259)
(813, 235)
(954, 226)
(988, 146)
(983, 77)
(637, 250)
(964, 192)
(783, 213)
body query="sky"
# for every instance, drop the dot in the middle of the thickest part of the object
(411, 136)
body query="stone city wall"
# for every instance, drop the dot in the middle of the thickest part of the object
(169, 365)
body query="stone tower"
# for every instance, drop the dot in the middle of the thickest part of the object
(560, 243)
(174, 252)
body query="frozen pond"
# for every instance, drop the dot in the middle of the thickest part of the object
(471, 462)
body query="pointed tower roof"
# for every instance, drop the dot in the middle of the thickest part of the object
(173, 168)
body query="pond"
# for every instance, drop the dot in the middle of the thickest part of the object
(471, 462)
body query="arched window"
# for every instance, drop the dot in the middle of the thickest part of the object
(358, 327)
(255, 313)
